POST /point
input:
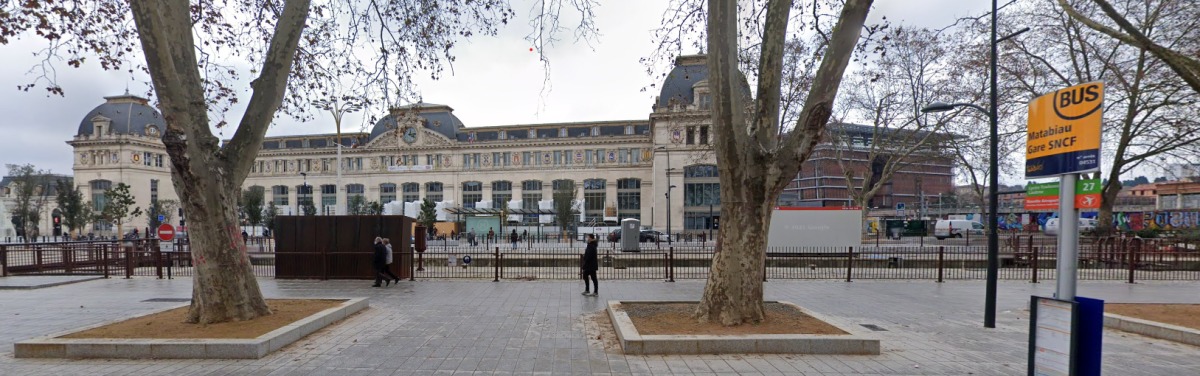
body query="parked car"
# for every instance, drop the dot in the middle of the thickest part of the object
(1086, 225)
(652, 235)
(956, 228)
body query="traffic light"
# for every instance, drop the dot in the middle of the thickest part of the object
(57, 225)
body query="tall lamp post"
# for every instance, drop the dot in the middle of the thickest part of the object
(993, 239)
(669, 188)
(338, 108)
(303, 188)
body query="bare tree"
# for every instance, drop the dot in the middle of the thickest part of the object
(1150, 111)
(295, 50)
(755, 162)
(886, 97)
(31, 188)
(1187, 67)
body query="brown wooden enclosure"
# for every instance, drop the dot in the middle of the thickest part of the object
(339, 247)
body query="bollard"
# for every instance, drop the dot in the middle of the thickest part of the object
(671, 264)
(940, 260)
(3, 261)
(1133, 260)
(849, 264)
(496, 259)
(1033, 260)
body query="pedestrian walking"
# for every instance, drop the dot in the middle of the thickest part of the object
(471, 237)
(379, 262)
(245, 238)
(491, 236)
(514, 238)
(588, 265)
(387, 244)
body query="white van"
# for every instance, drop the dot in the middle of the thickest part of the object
(1085, 225)
(956, 228)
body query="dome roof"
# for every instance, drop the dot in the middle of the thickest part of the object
(127, 114)
(436, 117)
(677, 87)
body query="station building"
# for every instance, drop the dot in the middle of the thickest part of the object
(620, 168)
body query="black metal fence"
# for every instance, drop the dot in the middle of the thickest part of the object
(1026, 259)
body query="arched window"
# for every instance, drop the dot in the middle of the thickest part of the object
(387, 193)
(433, 191)
(701, 196)
(531, 193)
(279, 195)
(501, 193)
(99, 201)
(328, 199)
(356, 202)
(412, 192)
(98, 189)
(701, 171)
(594, 199)
(472, 192)
(629, 198)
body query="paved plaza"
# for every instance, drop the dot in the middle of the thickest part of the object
(439, 327)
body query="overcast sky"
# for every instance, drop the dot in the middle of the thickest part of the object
(496, 80)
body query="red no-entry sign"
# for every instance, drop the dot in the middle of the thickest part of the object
(166, 232)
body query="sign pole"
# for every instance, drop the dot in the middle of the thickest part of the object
(1068, 239)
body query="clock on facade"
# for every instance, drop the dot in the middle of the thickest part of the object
(410, 134)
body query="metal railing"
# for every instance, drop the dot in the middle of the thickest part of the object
(108, 258)
(1021, 258)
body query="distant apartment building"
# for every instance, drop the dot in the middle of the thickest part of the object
(1179, 195)
(822, 182)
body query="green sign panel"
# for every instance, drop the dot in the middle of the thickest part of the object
(1041, 189)
(1087, 187)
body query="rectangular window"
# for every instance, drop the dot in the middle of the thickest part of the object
(562, 132)
(146, 159)
(503, 135)
(595, 131)
(587, 157)
(624, 156)
(526, 158)
(705, 101)
(636, 153)
(628, 130)
(158, 160)
(704, 135)
(691, 135)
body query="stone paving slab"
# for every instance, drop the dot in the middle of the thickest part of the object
(539, 327)
(24, 282)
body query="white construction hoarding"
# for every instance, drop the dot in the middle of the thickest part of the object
(839, 227)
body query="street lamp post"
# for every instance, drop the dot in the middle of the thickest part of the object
(669, 188)
(993, 240)
(338, 108)
(303, 188)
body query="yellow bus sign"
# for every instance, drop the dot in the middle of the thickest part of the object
(1064, 131)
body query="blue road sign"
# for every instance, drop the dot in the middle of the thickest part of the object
(162, 217)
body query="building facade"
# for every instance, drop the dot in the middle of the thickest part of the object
(620, 169)
(922, 175)
(659, 170)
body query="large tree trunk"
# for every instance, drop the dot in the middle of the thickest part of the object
(207, 176)
(224, 287)
(754, 165)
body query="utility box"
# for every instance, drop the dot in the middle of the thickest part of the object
(631, 232)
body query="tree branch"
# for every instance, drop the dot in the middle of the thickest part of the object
(269, 89)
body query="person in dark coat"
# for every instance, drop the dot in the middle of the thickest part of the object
(588, 265)
(379, 263)
(514, 238)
